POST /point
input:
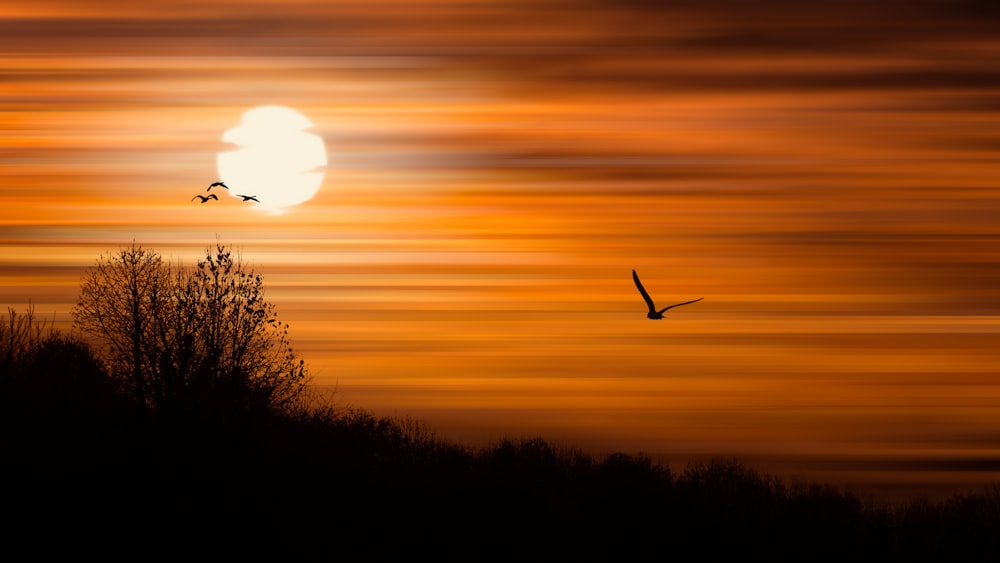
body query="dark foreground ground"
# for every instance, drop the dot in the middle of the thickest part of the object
(95, 478)
(86, 474)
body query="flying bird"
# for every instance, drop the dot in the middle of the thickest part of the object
(205, 198)
(248, 197)
(653, 313)
(213, 184)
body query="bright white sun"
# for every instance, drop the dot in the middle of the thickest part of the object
(279, 162)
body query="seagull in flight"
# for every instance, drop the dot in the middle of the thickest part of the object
(653, 313)
(248, 197)
(221, 184)
(205, 198)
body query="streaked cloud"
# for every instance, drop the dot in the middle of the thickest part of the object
(824, 176)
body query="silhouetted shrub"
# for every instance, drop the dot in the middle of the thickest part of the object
(48, 374)
(964, 527)
(67, 368)
(635, 471)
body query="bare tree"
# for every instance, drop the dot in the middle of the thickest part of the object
(201, 338)
(118, 302)
(19, 335)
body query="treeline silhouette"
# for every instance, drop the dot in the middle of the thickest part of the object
(89, 472)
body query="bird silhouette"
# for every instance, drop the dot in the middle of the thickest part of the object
(213, 184)
(205, 198)
(248, 197)
(653, 313)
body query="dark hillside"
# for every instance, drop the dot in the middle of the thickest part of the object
(87, 473)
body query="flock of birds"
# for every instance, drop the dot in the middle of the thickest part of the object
(205, 198)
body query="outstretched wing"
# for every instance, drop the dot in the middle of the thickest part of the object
(679, 304)
(642, 290)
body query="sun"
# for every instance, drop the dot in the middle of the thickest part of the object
(278, 161)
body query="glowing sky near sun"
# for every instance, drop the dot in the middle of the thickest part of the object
(825, 177)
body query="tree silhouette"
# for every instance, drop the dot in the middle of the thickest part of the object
(223, 344)
(119, 299)
(19, 335)
(199, 340)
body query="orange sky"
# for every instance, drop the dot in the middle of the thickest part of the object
(826, 180)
